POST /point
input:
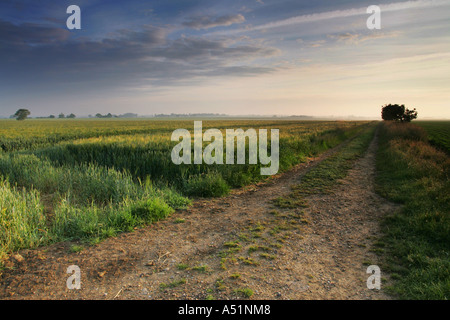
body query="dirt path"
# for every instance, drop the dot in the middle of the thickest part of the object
(228, 248)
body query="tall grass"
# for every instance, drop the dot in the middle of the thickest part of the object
(89, 202)
(94, 223)
(22, 219)
(414, 173)
(82, 183)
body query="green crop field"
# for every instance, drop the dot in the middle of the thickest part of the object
(438, 133)
(91, 179)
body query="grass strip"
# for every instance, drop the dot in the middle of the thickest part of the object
(325, 175)
(414, 173)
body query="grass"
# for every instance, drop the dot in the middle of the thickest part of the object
(254, 248)
(267, 256)
(76, 248)
(220, 284)
(182, 266)
(202, 268)
(416, 241)
(179, 220)
(248, 261)
(290, 202)
(324, 176)
(244, 292)
(22, 220)
(173, 284)
(207, 185)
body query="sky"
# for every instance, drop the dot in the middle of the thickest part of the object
(262, 57)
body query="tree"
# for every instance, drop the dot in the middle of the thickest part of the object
(61, 116)
(71, 116)
(410, 115)
(22, 114)
(395, 112)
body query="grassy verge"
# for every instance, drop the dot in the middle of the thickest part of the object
(417, 238)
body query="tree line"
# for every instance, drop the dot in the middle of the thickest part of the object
(23, 114)
(390, 112)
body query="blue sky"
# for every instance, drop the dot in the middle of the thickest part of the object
(237, 57)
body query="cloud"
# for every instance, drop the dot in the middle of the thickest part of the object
(316, 44)
(355, 38)
(150, 35)
(124, 58)
(31, 33)
(327, 15)
(206, 22)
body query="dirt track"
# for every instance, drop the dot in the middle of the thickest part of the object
(224, 246)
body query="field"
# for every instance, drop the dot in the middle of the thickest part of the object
(92, 179)
(438, 133)
(348, 195)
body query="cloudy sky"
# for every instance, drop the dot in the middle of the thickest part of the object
(237, 57)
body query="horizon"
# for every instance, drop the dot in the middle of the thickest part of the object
(240, 58)
(206, 117)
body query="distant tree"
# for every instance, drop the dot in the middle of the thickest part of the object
(61, 116)
(109, 115)
(52, 116)
(98, 115)
(22, 114)
(71, 116)
(395, 112)
(410, 115)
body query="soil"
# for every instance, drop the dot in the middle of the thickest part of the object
(235, 247)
